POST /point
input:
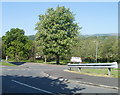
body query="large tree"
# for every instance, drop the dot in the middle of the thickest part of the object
(57, 31)
(16, 44)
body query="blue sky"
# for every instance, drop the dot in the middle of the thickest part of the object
(93, 17)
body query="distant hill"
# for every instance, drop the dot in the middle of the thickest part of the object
(31, 37)
(111, 34)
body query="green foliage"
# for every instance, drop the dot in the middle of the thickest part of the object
(98, 72)
(107, 48)
(31, 37)
(57, 31)
(16, 44)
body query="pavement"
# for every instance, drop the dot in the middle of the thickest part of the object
(45, 78)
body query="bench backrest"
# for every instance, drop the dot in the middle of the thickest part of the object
(76, 59)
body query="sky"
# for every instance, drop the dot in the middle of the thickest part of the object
(93, 17)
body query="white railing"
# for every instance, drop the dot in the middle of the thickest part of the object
(94, 65)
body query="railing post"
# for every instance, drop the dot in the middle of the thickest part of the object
(109, 69)
(70, 68)
(79, 69)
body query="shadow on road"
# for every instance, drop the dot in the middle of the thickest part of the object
(17, 63)
(52, 85)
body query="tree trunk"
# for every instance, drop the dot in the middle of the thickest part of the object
(6, 58)
(57, 59)
(17, 58)
(45, 59)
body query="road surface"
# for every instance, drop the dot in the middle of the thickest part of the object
(48, 79)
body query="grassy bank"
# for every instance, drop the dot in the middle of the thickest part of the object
(6, 64)
(62, 62)
(54, 62)
(97, 72)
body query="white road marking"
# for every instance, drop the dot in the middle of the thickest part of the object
(31, 86)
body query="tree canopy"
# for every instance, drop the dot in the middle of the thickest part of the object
(16, 44)
(57, 31)
(107, 50)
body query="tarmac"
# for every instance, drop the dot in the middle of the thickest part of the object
(60, 71)
(107, 82)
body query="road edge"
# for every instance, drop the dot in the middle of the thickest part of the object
(82, 82)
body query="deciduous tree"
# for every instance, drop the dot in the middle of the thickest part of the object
(57, 31)
(16, 44)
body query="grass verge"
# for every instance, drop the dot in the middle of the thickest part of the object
(97, 72)
(7, 64)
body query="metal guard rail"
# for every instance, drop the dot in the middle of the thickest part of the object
(94, 65)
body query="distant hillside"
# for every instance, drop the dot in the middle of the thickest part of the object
(31, 37)
(111, 34)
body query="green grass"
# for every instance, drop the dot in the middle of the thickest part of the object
(54, 62)
(7, 64)
(98, 72)
(12, 60)
(38, 61)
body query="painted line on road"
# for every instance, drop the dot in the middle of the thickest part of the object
(32, 87)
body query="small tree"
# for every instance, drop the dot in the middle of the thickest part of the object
(57, 31)
(16, 44)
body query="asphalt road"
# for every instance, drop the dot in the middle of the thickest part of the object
(46, 79)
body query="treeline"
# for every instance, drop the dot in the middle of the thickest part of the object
(20, 47)
(88, 47)
(97, 48)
